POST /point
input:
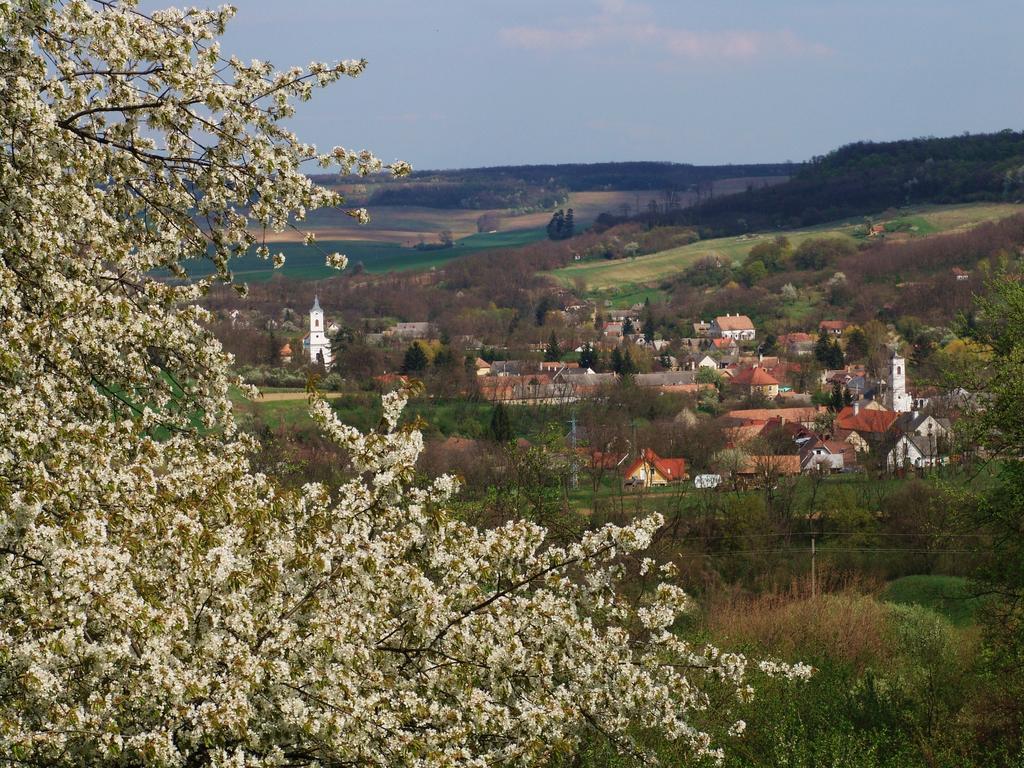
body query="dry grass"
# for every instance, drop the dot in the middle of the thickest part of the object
(848, 626)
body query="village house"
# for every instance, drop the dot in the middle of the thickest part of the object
(817, 455)
(650, 469)
(960, 274)
(613, 331)
(410, 331)
(797, 344)
(738, 327)
(756, 382)
(833, 328)
(805, 416)
(701, 329)
(915, 451)
(694, 362)
(286, 353)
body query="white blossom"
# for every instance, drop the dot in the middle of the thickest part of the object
(162, 603)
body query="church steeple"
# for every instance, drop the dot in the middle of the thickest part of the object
(318, 343)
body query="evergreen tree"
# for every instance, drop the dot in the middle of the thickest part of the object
(649, 329)
(836, 401)
(588, 357)
(822, 348)
(629, 366)
(836, 359)
(415, 359)
(444, 358)
(616, 361)
(500, 428)
(627, 327)
(568, 225)
(553, 353)
(556, 225)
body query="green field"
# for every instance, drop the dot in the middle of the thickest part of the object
(624, 277)
(307, 263)
(949, 596)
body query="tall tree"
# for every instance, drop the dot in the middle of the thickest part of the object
(415, 360)
(500, 428)
(553, 352)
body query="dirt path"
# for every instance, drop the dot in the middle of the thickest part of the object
(269, 397)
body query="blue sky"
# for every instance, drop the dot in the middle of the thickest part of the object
(465, 83)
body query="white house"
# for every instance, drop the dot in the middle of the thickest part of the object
(915, 451)
(738, 327)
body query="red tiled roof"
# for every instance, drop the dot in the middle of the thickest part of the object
(734, 323)
(788, 414)
(833, 325)
(723, 343)
(868, 420)
(755, 377)
(670, 469)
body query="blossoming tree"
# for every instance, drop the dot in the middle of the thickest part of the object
(160, 602)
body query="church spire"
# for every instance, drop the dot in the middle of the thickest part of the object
(316, 303)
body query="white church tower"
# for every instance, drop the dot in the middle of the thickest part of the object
(317, 342)
(897, 397)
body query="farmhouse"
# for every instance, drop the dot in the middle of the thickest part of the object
(756, 382)
(914, 451)
(833, 327)
(650, 469)
(728, 326)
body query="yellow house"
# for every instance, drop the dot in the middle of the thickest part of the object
(650, 469)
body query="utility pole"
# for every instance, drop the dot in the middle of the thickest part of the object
(574, 479)
(814, 585)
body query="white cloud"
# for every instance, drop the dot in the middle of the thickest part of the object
(621, 22)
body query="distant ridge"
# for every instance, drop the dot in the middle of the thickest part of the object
(543, 186)
(867, 178)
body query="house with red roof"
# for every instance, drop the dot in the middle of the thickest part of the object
(738, 327)
(756, 381)
(833, 327)
(651, 469)
(868, 422)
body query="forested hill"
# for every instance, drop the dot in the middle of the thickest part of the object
(542, 186)
(868, 177)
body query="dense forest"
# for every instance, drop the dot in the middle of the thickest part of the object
(539, 186)
(865, 178)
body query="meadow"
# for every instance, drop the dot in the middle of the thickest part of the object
(624, 277)
(307, 263)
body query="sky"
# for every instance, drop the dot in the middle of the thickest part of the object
(469, 83)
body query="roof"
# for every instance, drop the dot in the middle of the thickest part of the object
(316, 304)
(670, 469)
(286, 349)
(833, 325)
(755, 377)
(735, 323)
(720, 343)
(797, 337)
(666, 379)
(866, 420)
(785, 414)
(481, 364)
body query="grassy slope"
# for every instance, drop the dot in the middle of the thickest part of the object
(630, 274)
(949, 596)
